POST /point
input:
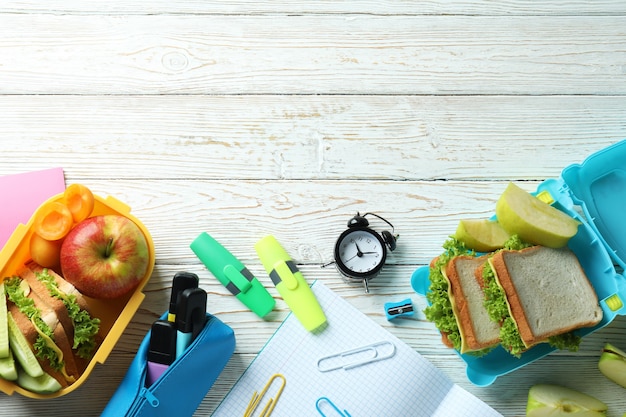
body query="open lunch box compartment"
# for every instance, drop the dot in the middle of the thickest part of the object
(114, 314)
(594, 193)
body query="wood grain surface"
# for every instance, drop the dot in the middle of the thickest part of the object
(248, 118)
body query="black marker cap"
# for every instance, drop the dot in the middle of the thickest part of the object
(181, 281)
(191, 311)
(162, 342)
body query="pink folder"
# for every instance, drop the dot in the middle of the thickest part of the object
(22, 194)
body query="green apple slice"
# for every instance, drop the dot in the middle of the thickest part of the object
(612, 364)
(521, 213)
(545, 400)
(481, 235)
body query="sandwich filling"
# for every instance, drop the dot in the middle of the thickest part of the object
(498, 310)
(85, 327)
(496, 303)
(46, 349)
(441, 309)
(52, 342)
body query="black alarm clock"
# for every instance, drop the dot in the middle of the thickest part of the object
(360, 252)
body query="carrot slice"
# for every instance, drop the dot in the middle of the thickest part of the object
(79, 200)
(53, 221)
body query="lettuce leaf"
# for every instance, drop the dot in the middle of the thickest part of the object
(440, 312)
(495, 299)
(497, 307)
(568, 341)
(515, 243)
(510, 338)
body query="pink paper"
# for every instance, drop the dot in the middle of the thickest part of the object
(22, 194)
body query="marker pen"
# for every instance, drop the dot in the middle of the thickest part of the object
(190, 317)
(232, 274)
(181, 281)
(162, 349)
(290, 283)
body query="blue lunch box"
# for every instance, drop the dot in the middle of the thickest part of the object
(594, 193)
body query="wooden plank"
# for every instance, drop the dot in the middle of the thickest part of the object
(312, 54)
(254, 137)
(307, 216)
(405, 7)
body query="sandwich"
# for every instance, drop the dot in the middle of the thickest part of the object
(515, 298)
(54, 326)
(538, 294)
(456, 301)
(478, 332)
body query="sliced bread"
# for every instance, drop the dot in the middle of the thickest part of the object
(547, 291)
(466, 294)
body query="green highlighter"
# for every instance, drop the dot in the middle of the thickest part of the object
(232, 274)
(290, 283)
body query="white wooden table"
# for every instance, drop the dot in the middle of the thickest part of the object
(247, 118)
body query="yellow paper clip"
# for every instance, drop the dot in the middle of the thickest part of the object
(340, 413)
(271, 403)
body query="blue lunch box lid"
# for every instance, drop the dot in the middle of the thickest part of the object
(598, 185)
(594, 193)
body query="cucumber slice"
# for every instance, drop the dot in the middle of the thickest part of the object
(4, 329)
(43, 384)
(8, 369)
(21, 349)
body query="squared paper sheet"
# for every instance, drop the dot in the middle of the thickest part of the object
(403, 384)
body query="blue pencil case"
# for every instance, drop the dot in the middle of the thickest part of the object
(184, 384)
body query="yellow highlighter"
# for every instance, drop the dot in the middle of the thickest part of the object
(290, 283)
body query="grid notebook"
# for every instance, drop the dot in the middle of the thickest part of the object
(353, 367)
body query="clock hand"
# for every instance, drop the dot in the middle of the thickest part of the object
(360, 253)
(351, 258)
(358, 250)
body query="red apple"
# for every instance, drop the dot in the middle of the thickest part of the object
(105, 256)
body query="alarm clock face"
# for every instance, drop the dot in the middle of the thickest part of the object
(360, 253)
